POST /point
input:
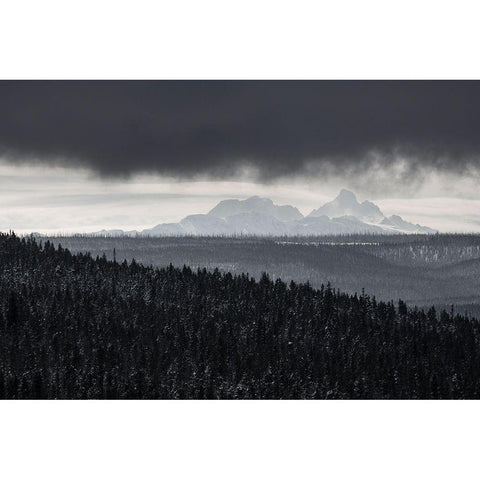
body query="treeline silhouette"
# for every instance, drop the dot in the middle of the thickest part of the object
(422, 270)
(76, 327)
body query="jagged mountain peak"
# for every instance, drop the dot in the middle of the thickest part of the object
(346, 203)
(260, 216)
(346, 197)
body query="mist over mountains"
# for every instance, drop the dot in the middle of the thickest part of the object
(260, 216)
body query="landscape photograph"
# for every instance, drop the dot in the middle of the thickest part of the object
(239, 239)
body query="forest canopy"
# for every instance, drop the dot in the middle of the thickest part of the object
(73, 326)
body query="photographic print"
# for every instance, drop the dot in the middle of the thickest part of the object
(239, 239)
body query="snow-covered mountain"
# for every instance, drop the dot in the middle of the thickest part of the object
(263, 206)
(395, 222)
(260, 216)
(346, 203)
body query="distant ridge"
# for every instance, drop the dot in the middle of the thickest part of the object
(229, 208)
(260, 216)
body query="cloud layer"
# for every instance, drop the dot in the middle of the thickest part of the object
(53, 199)
(213, 128)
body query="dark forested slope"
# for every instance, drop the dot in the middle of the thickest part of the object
(422, 270)
(75, 327)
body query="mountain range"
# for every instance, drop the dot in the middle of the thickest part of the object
(260, 216)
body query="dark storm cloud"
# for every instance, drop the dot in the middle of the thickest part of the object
(210, 127)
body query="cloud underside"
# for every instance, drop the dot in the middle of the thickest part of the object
(274, 128)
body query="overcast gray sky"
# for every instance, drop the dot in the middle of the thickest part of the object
(53, 199)
(82, 156)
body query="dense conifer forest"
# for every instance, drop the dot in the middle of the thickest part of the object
(73, 326)
(422, 270)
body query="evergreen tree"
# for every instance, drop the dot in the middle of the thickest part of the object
(77, 327)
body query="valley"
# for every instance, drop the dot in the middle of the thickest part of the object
(423, 270)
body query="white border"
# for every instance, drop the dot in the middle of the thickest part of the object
(193, 39)
(248, 39)
(239, 439)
